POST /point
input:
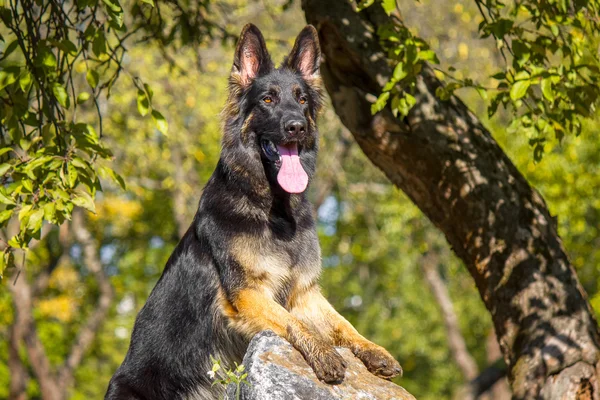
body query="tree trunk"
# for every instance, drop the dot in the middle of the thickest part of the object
(450, 166)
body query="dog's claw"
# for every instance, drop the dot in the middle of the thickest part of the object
(329, 366)
(379, 362)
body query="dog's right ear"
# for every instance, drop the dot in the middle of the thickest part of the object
(251, 56)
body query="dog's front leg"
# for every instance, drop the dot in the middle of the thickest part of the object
(311, 307)
(256, 311)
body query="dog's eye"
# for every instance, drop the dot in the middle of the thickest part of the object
(268, 99)
(302, 100)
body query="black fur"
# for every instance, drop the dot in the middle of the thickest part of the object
(182, 322)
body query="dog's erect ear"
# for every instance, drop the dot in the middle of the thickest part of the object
(251, 56)
(305, 57)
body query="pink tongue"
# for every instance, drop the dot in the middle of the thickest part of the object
(291, 177)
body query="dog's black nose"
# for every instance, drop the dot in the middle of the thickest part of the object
(294, 127)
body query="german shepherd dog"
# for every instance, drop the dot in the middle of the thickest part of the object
(251, 259)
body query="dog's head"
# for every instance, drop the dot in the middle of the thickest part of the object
(270, 129)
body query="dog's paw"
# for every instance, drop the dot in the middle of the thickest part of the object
(379, 362)
(329, 366)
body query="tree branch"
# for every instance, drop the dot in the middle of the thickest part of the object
(90, 328)
(18, 373)
(456, 341)
(23, 304)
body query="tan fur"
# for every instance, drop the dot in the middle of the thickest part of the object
(265, 267)
(246, 129)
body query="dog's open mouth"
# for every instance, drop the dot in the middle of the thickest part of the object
(291, 176)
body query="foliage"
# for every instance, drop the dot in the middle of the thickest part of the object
(550, 74)
(57, 62)
(225, 376)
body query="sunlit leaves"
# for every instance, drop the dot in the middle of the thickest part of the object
(144, 106)
(380, 103)
(161, 123)
(551, 71)
(92, 78)
(410, 53)
(82, 97)
(388, 6)
(143, 102)
(8, 76)
(519, 89)
(60, 93)
(51, 148)
(550, 77)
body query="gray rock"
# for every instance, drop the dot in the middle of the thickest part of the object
(276, 371)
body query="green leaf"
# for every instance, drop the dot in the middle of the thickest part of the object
(105, 171)
(442, 93)
(380, 103)
(519, 89)
(399, 72)
(46, 58)
(546, 86)
(35, 220)
(364, 4)
(482, 92)
(5, 215)
(99, 44)
(522, 75)
(8, 76)
(84, 200)
(83, 97)
(143, 105)
(60, 93)
(69, 47)
(4, 168)
(10, 48)
(50, 211)
(72, 173)
(521, 52)
(113, 5)
(6, 199)
(16, 243)
(388, 6)
(92, 78)
(149, 91)
(27, 184)
(117, 178)
(79, 163)
(148, 2)
(161, 123)
(428, 55)
(25, 81)
(405, 104)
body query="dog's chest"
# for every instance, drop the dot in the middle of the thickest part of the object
(279, 266)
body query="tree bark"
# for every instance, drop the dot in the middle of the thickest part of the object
(443, 158)
(500, 390)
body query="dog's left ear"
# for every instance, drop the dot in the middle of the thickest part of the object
(305, 57)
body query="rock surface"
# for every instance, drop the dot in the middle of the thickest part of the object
(276, 371)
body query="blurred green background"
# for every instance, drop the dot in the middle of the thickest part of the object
(373, 238)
